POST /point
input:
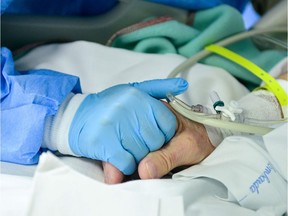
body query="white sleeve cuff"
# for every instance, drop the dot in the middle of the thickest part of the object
(56, 134)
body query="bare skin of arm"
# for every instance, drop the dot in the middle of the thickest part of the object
(189, 146)
(283, 76)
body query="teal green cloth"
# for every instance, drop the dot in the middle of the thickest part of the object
(210, 26)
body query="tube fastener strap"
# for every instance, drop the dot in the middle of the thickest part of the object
(271, 83)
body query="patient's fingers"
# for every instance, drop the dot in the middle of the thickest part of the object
(189, 146)
(111, 174)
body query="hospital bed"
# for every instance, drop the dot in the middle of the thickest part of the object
(60, 182)
(93, 28)
(100, 28)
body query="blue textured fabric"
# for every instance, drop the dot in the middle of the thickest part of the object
(4, 5)
(122, 124)
(58, 7)
(27, 98)
(202, 4)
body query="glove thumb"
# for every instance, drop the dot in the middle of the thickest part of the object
(159, 88)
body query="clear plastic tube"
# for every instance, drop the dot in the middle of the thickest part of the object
(215, 120)
(204, 53)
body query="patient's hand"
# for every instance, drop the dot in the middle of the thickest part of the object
(111, 174)
(283, 76)
(189, 146)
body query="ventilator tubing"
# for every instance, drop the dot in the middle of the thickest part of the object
(215, 120)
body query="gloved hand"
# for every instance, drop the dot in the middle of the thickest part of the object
(122, 124)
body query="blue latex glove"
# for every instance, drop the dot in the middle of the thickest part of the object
(122, 124)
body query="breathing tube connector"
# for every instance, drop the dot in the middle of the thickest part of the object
(214, 120)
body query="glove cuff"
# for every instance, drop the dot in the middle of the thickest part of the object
(57, 127)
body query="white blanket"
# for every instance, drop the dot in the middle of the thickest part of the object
(100, 67)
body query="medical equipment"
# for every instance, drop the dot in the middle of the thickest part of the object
(225, 116)
(43, 28)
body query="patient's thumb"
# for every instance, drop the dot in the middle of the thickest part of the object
(157, 164)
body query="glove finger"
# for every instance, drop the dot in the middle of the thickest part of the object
(115, 153)
(102, 143)
(124, 161)
(111, 151)
(159, 88)
(154, 136)
(165, 120)
(135, 144)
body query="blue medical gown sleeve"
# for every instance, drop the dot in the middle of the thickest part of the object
(4, 5)
(202, 4)
(27, 99)
(56, 7)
